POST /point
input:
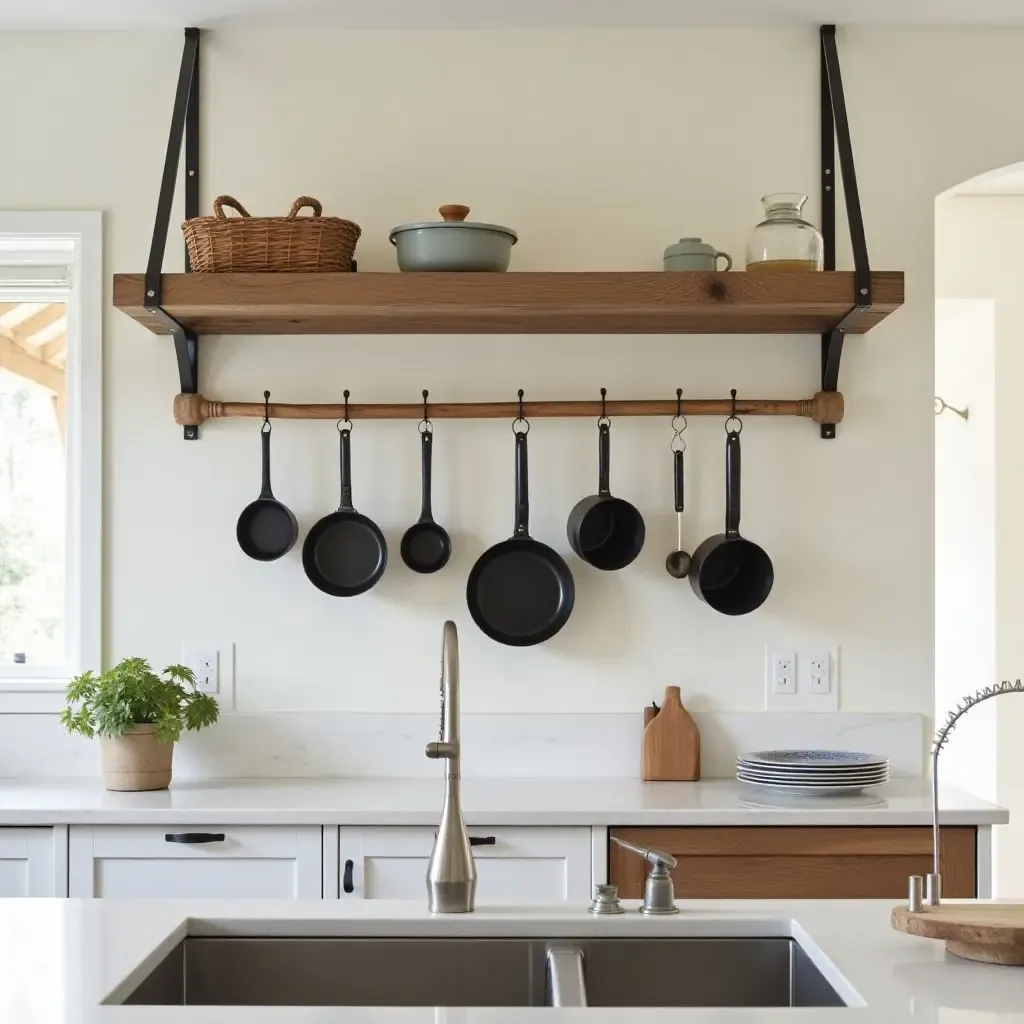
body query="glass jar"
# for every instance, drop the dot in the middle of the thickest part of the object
(784, 240)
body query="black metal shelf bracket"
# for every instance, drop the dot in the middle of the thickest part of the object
(184, 128)
(835, 131)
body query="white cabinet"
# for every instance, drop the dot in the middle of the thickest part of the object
(33, 861)
(514, 865)
(215, 861)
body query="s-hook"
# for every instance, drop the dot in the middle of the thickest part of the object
(602, 420)
(425, 426)
(738, 429)
(266, 428)
(525, 428)
(344, 419)
(677, 430)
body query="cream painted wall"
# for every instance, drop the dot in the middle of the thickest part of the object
(599, 148)
(978, 257)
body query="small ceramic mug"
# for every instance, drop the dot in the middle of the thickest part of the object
(693, 254)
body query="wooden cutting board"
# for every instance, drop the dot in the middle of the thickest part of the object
(670, 749)
(990, 932)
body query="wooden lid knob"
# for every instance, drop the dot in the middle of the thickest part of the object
(453, 212)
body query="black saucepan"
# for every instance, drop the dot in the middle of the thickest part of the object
(345, 553)
(266, 529)
(520, 592)
(733, 575)
(605, 531)
(426, 546)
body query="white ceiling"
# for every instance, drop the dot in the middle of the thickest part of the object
(57, 14)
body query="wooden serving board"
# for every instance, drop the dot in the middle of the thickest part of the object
(990, 932)
(670, 748)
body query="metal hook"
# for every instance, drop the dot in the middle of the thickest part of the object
(267, 427)
(602, 420)
(521, 418)
(677, 429)
(738, 429)
(941, 405)
(425, 426)
(345, 419)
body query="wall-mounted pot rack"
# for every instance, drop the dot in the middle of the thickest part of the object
(830, 304)
(824, 407)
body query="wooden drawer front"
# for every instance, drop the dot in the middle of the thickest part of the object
(796, 863)
(250, 862)
(522, 866)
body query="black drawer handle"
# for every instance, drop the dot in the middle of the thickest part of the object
(346, 883)
(194, 837)
(482, 840)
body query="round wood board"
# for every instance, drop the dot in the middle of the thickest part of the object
(990, 932)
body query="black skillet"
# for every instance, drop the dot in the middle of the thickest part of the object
(520, 592)
(426, 546)
(266, 529)
(731, 574)
(345, 553)
(606, 531)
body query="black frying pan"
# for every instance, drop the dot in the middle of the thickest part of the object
(733, 575)
(605, 531)
(520, 592)
(426, 547)
(345, 553)
(266, 529)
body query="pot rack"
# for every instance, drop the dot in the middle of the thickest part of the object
(830, 304)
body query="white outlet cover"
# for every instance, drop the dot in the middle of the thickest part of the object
(804, 699)
(193, 652)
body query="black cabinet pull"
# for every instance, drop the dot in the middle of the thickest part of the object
(194, 837)
(482, 840)
(346, 883)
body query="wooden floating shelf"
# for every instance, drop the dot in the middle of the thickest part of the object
(824, 407)
(514, 303)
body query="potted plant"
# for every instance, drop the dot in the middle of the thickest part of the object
(137, 715)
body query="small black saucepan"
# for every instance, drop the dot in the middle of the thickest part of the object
(266, 529)
(733, 575)
(605, 531)
(520, 592)
(345, 553)
(426, 546)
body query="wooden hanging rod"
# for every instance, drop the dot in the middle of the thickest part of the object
(824, 407)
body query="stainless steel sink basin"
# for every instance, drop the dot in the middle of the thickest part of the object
(216, 971)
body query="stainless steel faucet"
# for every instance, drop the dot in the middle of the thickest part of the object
(451, 873)
(659, 893)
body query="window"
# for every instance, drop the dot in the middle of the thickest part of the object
(50, 454)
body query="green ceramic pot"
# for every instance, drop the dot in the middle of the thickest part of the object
(453, 244)
(693, 254)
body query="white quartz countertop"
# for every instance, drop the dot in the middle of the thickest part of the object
(485, 802)
(63, 959)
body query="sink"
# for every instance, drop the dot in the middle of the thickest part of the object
(695, 972)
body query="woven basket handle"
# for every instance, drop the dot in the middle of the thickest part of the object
(301, 203)
(221, 201)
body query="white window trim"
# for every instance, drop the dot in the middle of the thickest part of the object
(36, 692)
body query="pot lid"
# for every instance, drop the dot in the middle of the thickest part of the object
(690, 247)
(454, 217)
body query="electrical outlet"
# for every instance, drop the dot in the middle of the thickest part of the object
(780, 678)
(819, 673)
(784, 672)
(214, 668)
(804, 681)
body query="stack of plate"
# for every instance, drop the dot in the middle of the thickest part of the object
(813, 772)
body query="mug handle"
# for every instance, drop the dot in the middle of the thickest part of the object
(728, 259)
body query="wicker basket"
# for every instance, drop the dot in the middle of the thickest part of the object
(221, 244)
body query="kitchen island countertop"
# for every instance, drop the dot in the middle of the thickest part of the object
(486, 801)
(63, 959)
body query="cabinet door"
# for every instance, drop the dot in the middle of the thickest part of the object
(796, 863)
(214, 861)
(514, 865)
(30, 864)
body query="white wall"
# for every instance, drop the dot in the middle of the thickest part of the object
(979, 259)
(599, 148)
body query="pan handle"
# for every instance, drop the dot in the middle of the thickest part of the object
(346, 471)
(678, 478)
(732, 484)
(265, 491)
(604, 458)
(426, 451)
(522, 488)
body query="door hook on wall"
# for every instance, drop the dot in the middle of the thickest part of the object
(941, 405)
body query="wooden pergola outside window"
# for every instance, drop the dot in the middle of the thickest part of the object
(33, 345)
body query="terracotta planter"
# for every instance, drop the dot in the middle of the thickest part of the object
(136, 761)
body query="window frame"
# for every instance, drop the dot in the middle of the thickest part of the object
(39, 689)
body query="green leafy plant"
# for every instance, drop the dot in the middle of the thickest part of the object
(131, 693)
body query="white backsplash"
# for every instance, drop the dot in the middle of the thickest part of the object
(298, 745)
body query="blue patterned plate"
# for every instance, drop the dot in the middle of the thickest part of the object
(831, 759)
